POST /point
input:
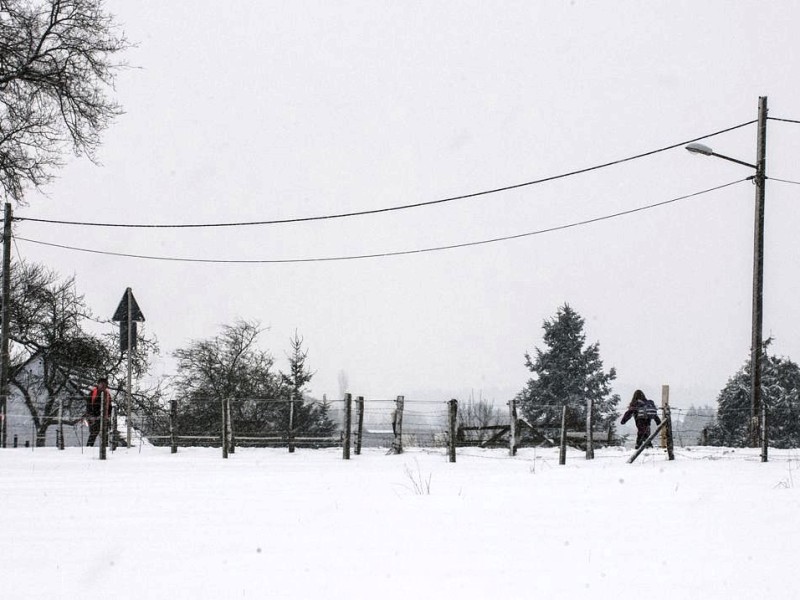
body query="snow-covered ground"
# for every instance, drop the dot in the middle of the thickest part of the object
(146, 524)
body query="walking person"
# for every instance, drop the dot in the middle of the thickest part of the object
(99, 396)
(643, 411)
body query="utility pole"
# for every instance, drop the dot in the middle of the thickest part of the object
(756, 347)
(5, 358)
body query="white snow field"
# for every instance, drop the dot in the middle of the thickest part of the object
(145, 524)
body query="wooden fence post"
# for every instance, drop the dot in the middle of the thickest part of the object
(114, 429)
(704, 440)
(359, 423)
(348, 417)
(666, 432)
(224, 428)
(173, 424)
(562, 454)
(397, 425)
(453, 418)
(291, 425)
(60, 423)
(231, 432)
(512, 435)
(103, 424)
(589, 428)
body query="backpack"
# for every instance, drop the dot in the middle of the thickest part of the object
(646, 410)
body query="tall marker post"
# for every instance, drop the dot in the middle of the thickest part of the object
(127, 315)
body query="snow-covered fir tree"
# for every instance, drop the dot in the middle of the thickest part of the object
(567, 372)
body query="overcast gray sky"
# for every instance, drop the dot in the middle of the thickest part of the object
(259, 110)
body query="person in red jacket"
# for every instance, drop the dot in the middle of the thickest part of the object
(99, 396)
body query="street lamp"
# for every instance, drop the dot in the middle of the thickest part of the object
(757, 414)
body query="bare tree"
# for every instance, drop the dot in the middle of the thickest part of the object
(57, 62)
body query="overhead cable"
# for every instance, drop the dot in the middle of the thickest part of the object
(385, 254)
(784, 120)
(385, 209)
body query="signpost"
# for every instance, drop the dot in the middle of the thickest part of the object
(127, 315)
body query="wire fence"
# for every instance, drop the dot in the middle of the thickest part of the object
(281, 422)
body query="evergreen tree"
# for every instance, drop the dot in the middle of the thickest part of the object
(309, 418)
(567, 373)
(780, 393)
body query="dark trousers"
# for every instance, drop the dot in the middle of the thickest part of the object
(642, 432)
(94, 429)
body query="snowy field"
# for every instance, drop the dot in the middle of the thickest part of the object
(146, 524)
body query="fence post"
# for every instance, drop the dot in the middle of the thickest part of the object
(231, 432)
(173, 425)
(224, 428)
(705, 436)
(512, 440)
(397, 425)
(348, 418)
(114, 440)
(562, 454)
(453, 418)
(649, 440)
(666, 432)
(290, 433)
(103, 424)
(589, 428)
(60, 423)
(360, 423)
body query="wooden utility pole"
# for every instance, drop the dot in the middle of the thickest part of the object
(348, 418)
(764, 433)
(756, 347)
(5, 359)
(453, 419)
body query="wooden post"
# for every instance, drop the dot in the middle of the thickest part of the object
(589, 429)
(453, 414)
(114, 433)
(60, 423)
(173, 425)
(666, 432)
(705, 436)
(231, 432)
(764, 432)
(562, 455)
(397, 425)
(224, 428)
(649, 440)
(359, 423)
(101, 396)
(348, 422)
(291, 424)
(512, 435)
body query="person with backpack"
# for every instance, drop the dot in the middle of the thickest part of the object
(643, 411)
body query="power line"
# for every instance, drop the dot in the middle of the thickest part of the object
(385, 209)
(784, 120)
(784, 180)
(387, 254)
